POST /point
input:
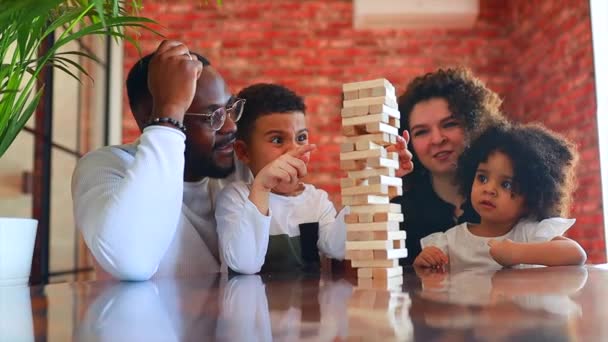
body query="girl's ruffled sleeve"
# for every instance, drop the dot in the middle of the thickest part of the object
(548, 229)
(439, 240)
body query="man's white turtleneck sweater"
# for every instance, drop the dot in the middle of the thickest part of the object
(137, 215)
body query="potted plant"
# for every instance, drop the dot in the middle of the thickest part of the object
(24, 26)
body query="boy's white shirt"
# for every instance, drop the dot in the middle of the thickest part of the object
(244, 232)
(137, 215)
(466, 250)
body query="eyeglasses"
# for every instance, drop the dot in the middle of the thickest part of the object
(218, 117)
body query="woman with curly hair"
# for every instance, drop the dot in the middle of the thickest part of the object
(517, 181)
(442, 111)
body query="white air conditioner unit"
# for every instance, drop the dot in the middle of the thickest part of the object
(414, 14)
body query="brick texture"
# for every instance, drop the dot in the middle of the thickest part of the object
(537, 55)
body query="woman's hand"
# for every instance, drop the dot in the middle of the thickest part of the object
(405, 157)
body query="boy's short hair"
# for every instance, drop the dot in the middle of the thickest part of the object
(543, 166)
(263, 99)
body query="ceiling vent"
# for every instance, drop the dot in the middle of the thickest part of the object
(415, 14)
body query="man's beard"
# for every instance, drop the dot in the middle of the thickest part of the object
(206, 167)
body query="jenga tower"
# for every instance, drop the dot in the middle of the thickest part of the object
(370, 122)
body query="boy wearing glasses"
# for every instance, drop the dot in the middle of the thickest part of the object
(259, 222)
(147, 208)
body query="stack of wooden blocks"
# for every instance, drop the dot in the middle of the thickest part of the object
(370, 122)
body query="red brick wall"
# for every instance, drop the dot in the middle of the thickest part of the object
(553, 82)
(311, 47)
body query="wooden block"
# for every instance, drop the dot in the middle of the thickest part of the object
(359, 236)
(373, 226)
(367, 245)
(375, 263)
(359, 255)
(381, 91)
(390, 254)
(347, 147)
(394, 191)
(381, 162)
(355, 111)
(381, 108)
(380, 127)
(376, 189)
(351, 131)
(348, 182)
(364, 199)
(351, 95)
(380, 82)
(365, 119)
(392, 283)
(381, 273)
(351, 218)
(359, 155)
(352, 165)
(393, 155)
(365, 217)
(394, 181)
(366, 173)
(383, 139)
(388, 217)
(374, 235)
(365, 145)
(369, 101)
(394, 122)
(362, 299)
(376, 208)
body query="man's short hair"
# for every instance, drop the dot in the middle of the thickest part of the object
(137, 80)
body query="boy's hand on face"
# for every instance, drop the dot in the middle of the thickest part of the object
(431, 257)
(172, 77)
(405, 157)
(504, 252)
(287, 169)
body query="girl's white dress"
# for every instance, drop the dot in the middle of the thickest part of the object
(466, 250)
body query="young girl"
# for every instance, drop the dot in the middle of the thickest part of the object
(517, 181)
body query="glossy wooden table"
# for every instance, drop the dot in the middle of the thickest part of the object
(540, 304)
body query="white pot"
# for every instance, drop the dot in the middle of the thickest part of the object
(17, 237)
(16, 322)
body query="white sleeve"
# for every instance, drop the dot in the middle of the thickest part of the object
(547, 229)
(332, 229)
(128, 211)
(243, 231)
(244, 314)
(439, 240)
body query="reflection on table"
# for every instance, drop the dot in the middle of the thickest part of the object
(536, 304)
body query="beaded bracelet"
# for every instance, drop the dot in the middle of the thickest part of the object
(171, 121)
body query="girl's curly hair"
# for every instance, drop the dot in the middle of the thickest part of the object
(468, 99)
(543, 166)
